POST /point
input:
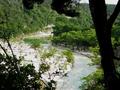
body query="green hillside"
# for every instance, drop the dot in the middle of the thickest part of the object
(15, 20)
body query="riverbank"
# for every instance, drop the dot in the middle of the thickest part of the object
(74, 74)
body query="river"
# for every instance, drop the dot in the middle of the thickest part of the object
(80, 69)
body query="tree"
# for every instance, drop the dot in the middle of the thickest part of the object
(103, 28)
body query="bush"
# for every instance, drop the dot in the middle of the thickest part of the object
(94, 81)
(17, 77)
(74, 38)
(35, 42)
(48, 53)
(63, 25)
(69, 56)
(95, 57)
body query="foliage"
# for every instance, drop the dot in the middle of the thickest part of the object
(14, 75)
(64, 25)
(84, 19)
(72, 32)
(13, 17)
(74, 38)
(93, 81)
(17, 77)
(95, 57)
(69, 56)
(48, 53)
(115, 35)
(57, 62)
(44, 68)
(35, 42)
(67, 7)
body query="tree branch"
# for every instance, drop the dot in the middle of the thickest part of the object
(114, 15)
(4, 51)
(9, 45)
(116, 58)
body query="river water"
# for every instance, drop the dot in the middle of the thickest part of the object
(73, 80)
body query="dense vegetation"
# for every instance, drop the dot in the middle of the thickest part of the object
(74, 38)
(75, 33)
(79, 32)
(94, 81)
(12, 77)
(35, 42)
(17, 20)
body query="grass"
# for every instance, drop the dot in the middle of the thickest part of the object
(69, 56)
(35, 42)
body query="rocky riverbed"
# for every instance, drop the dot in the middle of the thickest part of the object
(73, 73)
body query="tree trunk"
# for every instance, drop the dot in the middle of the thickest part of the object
(103, 32)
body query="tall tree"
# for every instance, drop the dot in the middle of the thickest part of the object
(103, 27)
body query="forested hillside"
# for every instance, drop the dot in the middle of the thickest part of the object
(18, 20)
(15, 19)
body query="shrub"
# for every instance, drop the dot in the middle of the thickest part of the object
(15, 76)
(64, 25)
(48, 53)
(44, 68)
(75, 38)
(69, 56)
(95, 57)
(94, 81)
(35, 42)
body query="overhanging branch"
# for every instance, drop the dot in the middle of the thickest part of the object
(114, 15)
